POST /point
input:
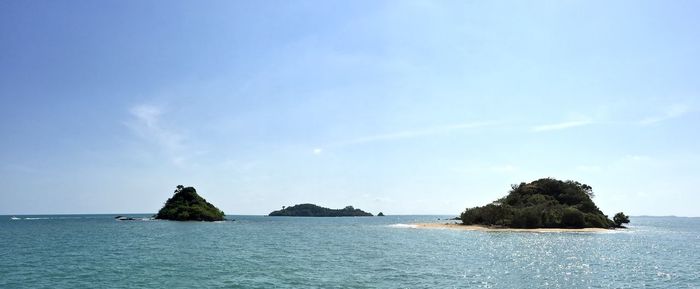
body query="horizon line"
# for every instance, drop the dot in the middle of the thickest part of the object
(87, 214)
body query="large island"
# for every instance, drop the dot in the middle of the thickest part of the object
(311, 210)
(544, 203)
(187, 205)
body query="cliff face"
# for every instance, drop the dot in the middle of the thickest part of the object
(311, 210)
(187, 205)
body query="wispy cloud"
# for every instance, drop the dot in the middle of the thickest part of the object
(561, 125)
(407, 134)
(637, 158)
(146, 123)
(673, 111)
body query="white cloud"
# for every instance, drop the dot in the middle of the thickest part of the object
(560, 126)
(147, 115)
(637, 158)
(146, 123)
(317, 151)
(673, 111)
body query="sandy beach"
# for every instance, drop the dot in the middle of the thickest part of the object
(455, 226)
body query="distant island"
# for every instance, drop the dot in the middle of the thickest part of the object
(187, 205)
(311, 210)
(544, 203)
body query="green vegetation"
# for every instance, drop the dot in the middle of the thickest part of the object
(380, 214)
(544, 203)
(187, 205)
(311, 210)
(620, 218)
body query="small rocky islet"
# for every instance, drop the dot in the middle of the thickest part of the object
(544, 203)
(311, 210)
(187, 205)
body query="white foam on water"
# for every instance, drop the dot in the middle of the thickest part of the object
(409, 226)
(28, 218)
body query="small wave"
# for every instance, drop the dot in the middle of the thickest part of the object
(403, 226)
(37, 218)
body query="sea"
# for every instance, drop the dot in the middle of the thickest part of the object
(97, 251)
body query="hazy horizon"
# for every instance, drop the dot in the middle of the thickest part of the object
(266, 215)
(400, 107)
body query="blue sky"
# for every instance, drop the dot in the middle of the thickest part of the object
(404, 107)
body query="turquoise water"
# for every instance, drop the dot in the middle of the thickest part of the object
(95, 251)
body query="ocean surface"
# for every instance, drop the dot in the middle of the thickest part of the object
(96, 251)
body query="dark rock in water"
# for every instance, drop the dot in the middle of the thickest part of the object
(187, 205)
(380, 214)
(311, 210)
(122, 218)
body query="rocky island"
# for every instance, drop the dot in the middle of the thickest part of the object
(187, 205)
(544, 203)
(311, 210)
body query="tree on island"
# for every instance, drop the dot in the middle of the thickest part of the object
(187, 205)
(544, 203)
(620, 218)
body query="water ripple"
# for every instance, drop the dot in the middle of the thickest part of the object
(264, 252)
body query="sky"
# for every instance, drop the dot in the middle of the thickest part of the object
(404, 107)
